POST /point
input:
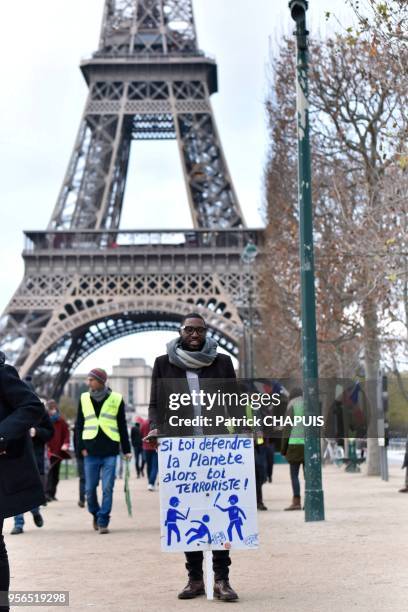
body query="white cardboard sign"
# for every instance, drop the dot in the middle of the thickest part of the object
(207, 493)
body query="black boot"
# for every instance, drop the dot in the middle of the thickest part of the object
(224, 591)
(38, 519)
(194, 588)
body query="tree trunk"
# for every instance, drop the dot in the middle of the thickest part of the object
(372, 366)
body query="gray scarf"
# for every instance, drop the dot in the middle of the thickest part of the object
(192, 360)
(100, 394)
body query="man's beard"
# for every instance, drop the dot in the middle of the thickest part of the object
(186, 347)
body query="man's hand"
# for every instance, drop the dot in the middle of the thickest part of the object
(128, 456)
(151, 436)
(84, 452)
(65, 447)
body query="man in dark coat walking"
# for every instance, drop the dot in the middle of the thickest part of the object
(40, 435)
(20, 483)
(192, 363)
(80, 469)
(136, 440)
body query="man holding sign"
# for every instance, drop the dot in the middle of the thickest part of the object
(191, 364)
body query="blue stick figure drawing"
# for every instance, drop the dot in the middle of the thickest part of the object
(201, 532)
(172, 517)
(234, 512)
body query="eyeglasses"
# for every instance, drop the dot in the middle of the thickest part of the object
(189, 329)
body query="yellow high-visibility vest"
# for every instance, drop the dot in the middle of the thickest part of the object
(107, 420)
(297, 434)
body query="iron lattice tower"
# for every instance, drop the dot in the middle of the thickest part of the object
(148, 80)
(87, 283)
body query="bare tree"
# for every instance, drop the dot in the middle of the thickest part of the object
(280, 287)
(384, 23)
(359, 131)
(337, 333)
(359, 123)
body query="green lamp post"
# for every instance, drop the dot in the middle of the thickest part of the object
(314, 504)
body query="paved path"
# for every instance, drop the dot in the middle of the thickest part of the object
(355, 560)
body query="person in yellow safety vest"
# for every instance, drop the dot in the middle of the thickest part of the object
(260, 460)
(293, 445)
(101, 429)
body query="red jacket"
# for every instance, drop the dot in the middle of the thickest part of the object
(60, 437)
(144, 430)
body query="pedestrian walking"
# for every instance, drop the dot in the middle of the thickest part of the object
(260, 458)
(270, 457)
(40, 435)
(20, 483)
(137, 444)
(80, 469)
(405, 465)
(102, 429)
(150, 456)
(58, 448)
(260, 470)
(293, 445)
(191, 360)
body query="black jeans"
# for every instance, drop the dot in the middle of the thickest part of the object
(221, 563)
(258, 485)
(81, 474)
(260, 471)
(139, 460)
(4, 569)
(294, 476)
(270, 460)
(53, 479)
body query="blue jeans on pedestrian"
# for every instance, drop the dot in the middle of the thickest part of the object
(19, 518)
(152, 463)
(294, 476)
(97, 468)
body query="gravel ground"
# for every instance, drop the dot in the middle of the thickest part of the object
(357, 559)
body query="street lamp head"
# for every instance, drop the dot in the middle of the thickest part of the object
(298, 9)
(249, 253)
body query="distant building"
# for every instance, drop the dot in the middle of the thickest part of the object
(131, 378)
(75, 386)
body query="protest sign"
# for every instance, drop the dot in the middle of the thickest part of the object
(207, 493)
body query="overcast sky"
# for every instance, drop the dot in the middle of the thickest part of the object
(43, 95)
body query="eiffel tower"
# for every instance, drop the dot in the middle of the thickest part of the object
(86, 282)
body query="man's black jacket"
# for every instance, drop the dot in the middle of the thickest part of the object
(136, 436)
(167, 379)
(20, 484)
